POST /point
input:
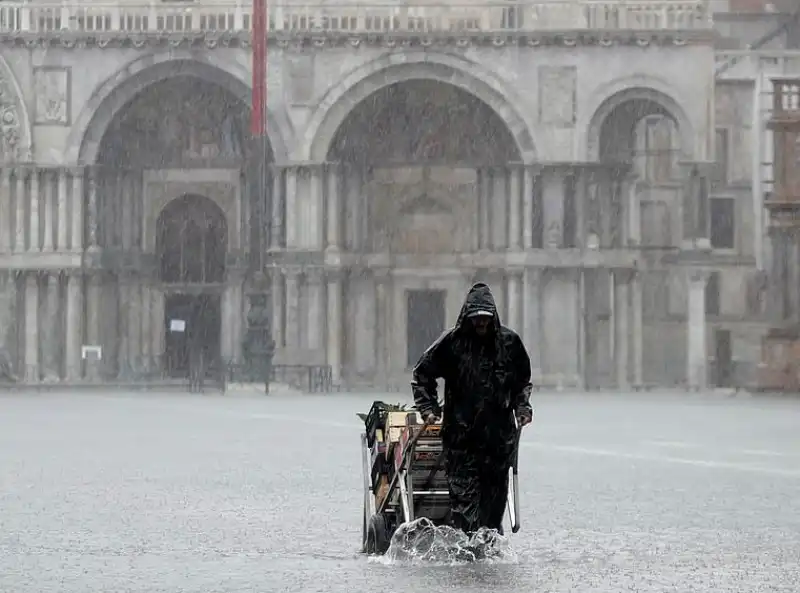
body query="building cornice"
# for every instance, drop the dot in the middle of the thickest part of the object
(303, 40)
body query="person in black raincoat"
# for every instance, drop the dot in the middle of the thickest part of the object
(487, 376)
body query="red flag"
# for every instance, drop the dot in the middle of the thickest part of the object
(258, 124)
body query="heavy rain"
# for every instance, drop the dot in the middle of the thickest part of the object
(441, 296)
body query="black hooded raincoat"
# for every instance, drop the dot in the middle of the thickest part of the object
(487, 381)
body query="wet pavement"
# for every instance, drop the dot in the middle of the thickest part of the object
(178, 493)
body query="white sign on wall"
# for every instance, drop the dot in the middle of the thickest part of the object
(91, 352)
(177, 325)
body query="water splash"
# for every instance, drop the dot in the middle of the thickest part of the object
(422, 542)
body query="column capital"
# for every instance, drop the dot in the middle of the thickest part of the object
(314, 274)
(292, 272)
(336, 274)
(624, 275)
(698, 276)
(382, 275)
(532, 272)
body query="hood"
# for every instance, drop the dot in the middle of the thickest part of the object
(479, 298)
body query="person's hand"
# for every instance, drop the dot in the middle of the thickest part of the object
(429, 418)
(524, 418)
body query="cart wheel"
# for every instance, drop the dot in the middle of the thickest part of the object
(378, 535)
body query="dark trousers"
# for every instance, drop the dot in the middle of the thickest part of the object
(478, 486)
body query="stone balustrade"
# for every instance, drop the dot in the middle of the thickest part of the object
(90, 17)
(749, 65)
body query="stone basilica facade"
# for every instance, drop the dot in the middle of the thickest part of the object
(564, 153)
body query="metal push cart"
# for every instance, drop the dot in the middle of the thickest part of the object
(404, 477)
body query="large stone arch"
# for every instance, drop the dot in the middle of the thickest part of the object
(15, 125)
(115, 92)
(361, 82)
(642, 88)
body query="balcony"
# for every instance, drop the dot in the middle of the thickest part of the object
(93, 18)
(751, 64)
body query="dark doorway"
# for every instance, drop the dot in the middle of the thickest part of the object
(425, 321)
(191, 241)
(723, 355)
(192, 332)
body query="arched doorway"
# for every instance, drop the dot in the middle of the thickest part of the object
(419, 150)
(180, 136)
(191, 245)
(641, 136)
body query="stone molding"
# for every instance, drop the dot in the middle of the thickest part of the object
(14, 124)
(302, 41)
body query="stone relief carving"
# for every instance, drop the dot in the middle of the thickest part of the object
(557, 88)
(10, 126)
(300, 79)
(52, 87)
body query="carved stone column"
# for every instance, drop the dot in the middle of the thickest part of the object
(134, 325)
(128, 228)
(148, 361)
(20, 199)
(74, 326)
(499, 208)
(333, 206)
(364, 321)
(514, 300)
(276, 222)
(61, 237)
(334, 326)
(6, 217)
(157, 325)
(92, 213)
(314, 210)
(553, 209)
(631, 195)
(315, 330)
(124, 354)
(485, 193)
(637, 333)
(292, 309)
(93, 321)
(51, 342)
(527, 207)
(32, 327)
(49, 209)
(531, 319)
(291, 208)
(621, 318)
(382, 339)
(514, 207)
(697, 356)
(76, 199)
(34, 243)
(278, 301)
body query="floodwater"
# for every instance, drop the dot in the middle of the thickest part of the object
(204, 493)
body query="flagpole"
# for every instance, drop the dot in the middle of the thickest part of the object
(258, 126)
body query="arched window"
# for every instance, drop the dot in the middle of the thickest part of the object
(657, 149)
(192, 241)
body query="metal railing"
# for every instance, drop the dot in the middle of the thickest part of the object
(309, 378)
(91, 18)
